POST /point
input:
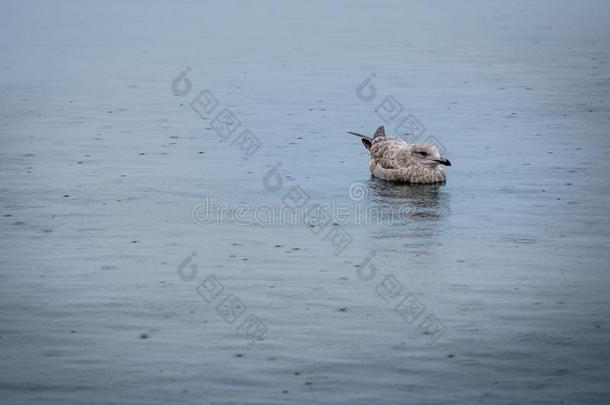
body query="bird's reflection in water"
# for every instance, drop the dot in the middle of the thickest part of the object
(416, 234)
(413, 202)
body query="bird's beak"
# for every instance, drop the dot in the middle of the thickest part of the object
(444, 161)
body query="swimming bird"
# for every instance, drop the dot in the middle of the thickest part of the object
(393, 159)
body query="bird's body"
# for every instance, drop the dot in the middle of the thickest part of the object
(393, 159)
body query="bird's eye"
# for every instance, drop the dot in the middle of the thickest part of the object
(423, 153)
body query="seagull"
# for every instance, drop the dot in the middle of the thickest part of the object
(393, 159)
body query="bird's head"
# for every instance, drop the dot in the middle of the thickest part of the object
(423, 154)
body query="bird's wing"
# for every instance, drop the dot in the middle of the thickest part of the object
(383, 151)
(379, 132)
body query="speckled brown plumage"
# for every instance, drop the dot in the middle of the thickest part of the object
(393, 159)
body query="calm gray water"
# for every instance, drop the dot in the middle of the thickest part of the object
(117, 286)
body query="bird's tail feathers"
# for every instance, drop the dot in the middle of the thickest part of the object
(366, 141)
